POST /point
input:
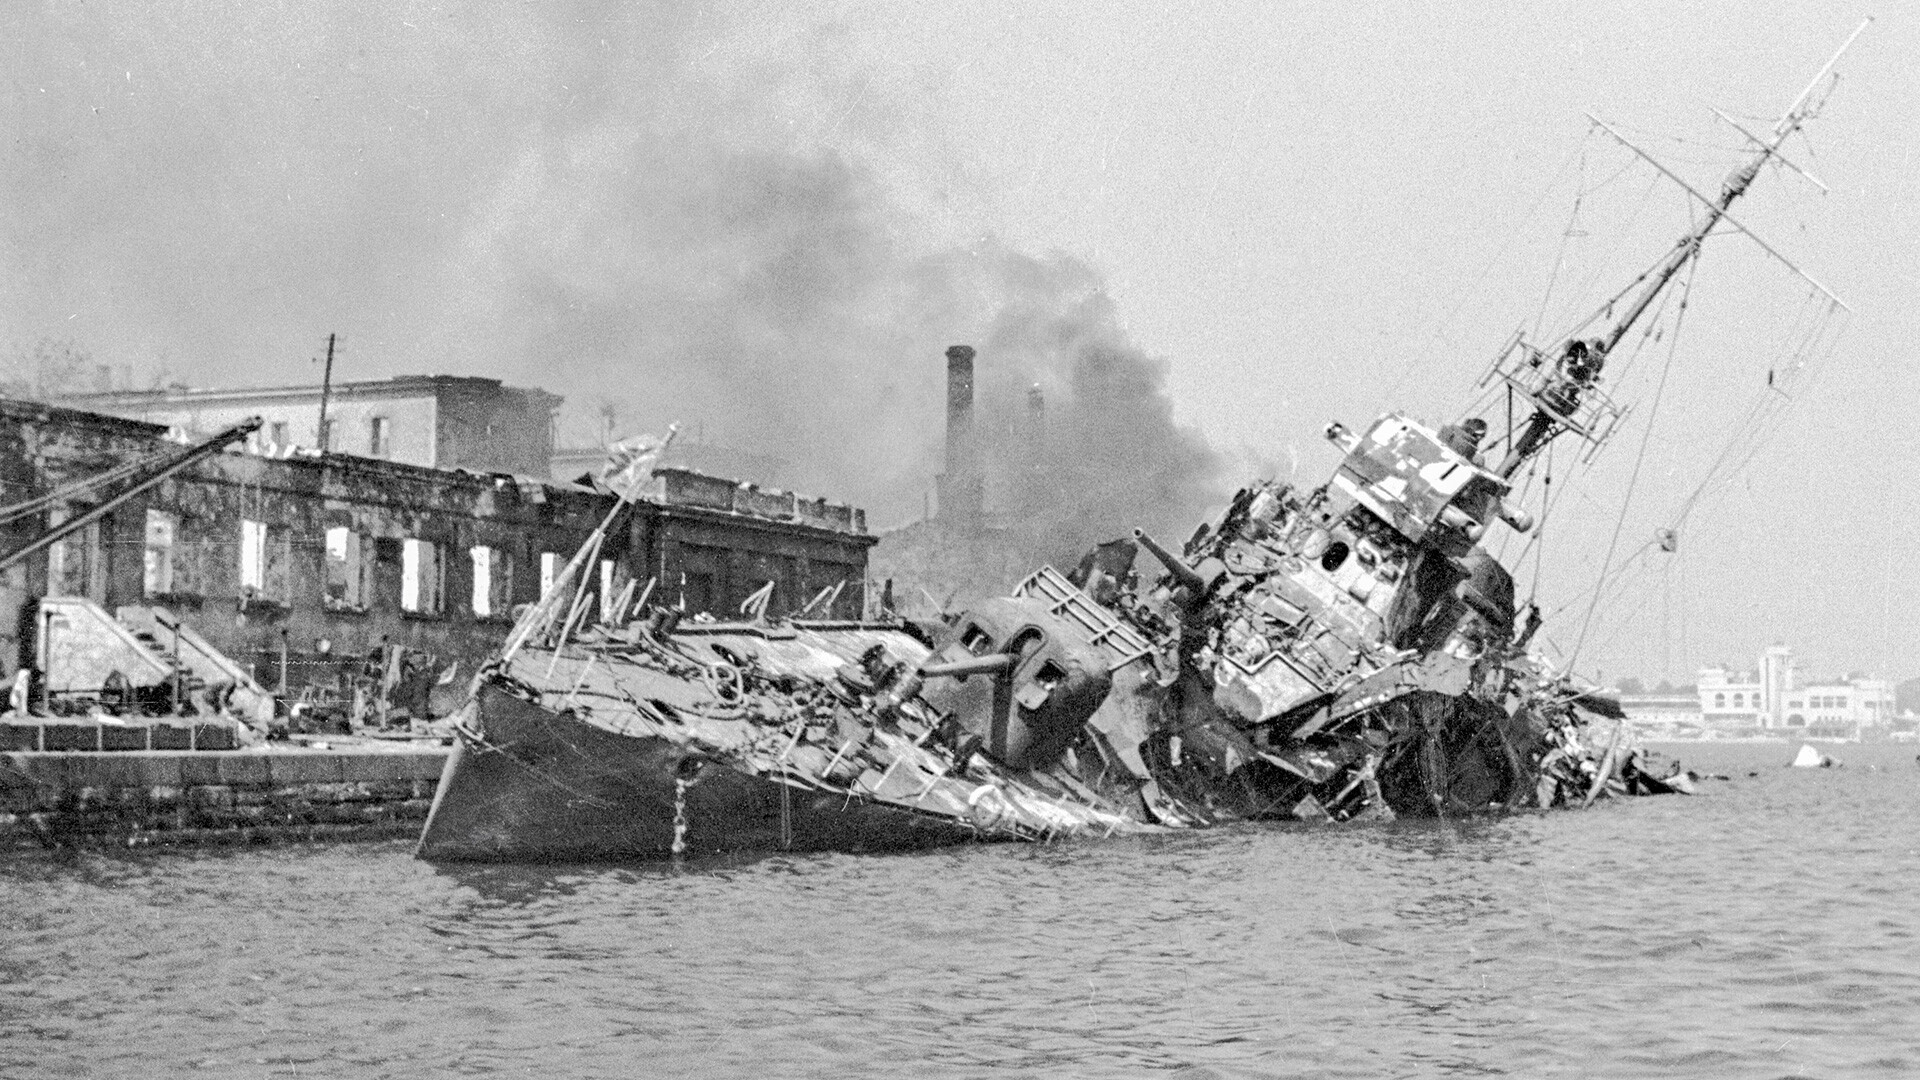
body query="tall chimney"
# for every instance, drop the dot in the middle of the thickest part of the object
(961, 489)
(1033, 451)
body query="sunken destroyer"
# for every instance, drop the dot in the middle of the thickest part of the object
(1343, 652)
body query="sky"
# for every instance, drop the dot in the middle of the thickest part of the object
(766, 221)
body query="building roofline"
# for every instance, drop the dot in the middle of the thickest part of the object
(24, 410)
(397, 386)
(730, 517)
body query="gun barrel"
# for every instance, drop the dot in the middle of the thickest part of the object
(1176, 566)
(975, 665)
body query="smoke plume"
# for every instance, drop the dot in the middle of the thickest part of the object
(664, 213)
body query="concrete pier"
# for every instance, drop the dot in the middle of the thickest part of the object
(136, 798)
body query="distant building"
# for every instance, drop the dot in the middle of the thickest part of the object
(435, 421)
(1774, 697)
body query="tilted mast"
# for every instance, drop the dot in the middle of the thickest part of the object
(1557, 391)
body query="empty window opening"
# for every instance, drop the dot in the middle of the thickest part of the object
(549, 571)
(492, 581)
(346, 569)
(264, 554)
(421, 577)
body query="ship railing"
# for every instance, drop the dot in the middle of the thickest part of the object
(1531, 372)
(1103, 628)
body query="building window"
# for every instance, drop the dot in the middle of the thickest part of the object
(379, 443)
(253, 555)
(161, 529)
(1739, 700)
(549, 570)
(421, 577)
(264, 551)
(1719, 701)
(492, 581)
(347, 569)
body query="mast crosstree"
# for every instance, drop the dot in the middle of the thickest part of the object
(1564, 389)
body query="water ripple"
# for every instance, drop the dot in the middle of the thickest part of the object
(1765, 929)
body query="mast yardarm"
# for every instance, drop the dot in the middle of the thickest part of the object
(1558, 393)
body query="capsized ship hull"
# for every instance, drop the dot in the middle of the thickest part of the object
(545, 785)
(728, 739)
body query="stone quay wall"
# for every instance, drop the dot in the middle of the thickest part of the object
(139, 798)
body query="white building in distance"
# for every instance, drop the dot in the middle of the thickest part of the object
(1774, 697)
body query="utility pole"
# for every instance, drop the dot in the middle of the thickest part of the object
(326, 391)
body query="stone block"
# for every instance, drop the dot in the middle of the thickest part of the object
(213, 735)
(368, 768)
(210, 797)
(19, 735)
(70, 735)
(164, 797)
(197, 768)
(31, 781)
(170, 735)
(120, 770)
(160, 769)
(123, 737)
(304, 767)
(331, 793)
(244, 768)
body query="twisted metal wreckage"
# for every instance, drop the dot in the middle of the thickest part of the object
(1344, 652)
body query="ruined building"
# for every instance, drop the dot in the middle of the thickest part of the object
(314, 573)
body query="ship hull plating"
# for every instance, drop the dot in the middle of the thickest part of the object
(526, 783)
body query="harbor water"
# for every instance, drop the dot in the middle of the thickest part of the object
(1767, 928)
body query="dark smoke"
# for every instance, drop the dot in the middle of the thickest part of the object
(1108, 456)
(627, 207)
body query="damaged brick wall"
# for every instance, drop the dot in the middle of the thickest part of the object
(357, 576)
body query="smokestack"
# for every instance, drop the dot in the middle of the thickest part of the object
(1037, 493)
(961, 489)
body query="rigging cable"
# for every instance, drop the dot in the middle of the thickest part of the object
(1566, 234)
(1439, 334)
(1646, 436)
